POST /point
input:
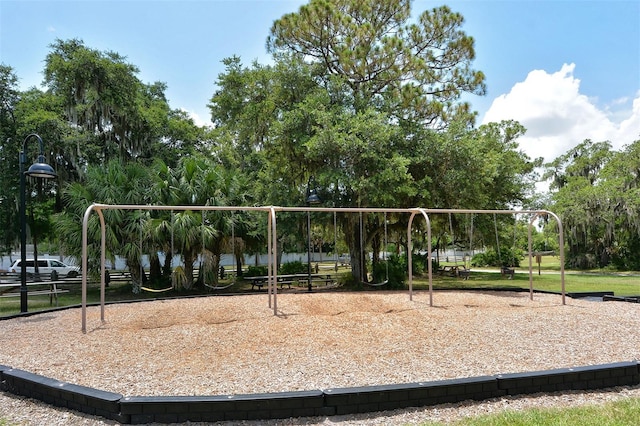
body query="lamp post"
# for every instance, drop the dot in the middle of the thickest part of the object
(312, 198)
(39, 169)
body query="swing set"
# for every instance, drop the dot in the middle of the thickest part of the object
(272, 241)
(459, 271)
(384, 255)
(179, 270)
(505, 270)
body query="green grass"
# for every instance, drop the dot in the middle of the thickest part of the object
(485, 278)
(625, 412)
(117, 291)
(547, 281)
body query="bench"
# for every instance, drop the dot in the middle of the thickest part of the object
(504, 271)
(326, 281)
(287, 283)
(464, 273)
(257, 282)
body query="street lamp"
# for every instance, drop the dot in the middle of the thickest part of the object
(39, 169)
(312, 198)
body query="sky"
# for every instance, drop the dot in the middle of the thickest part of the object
(568, 70)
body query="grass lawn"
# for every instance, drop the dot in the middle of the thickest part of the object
(621, 284)
(620, 413)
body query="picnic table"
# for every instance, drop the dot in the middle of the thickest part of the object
(11, 288)
(455, 271)
(288, 279)
(451, 270)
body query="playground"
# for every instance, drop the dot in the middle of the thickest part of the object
(236, 345)
(280, 340)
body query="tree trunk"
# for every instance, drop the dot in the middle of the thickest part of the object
(189, 259)
(352, 234)
(166, 268)
(155, 272)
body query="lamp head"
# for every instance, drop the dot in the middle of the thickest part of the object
(313, 197)
(41, 169)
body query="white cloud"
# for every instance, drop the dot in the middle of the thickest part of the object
(629, 129)
(197, 119)
(558, 117)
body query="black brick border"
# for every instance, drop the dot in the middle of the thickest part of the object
(328, 402)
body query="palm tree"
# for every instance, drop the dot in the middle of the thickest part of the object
(114, 183)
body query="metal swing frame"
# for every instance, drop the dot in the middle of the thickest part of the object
(233, 251)
(149, 289)
(271, 212)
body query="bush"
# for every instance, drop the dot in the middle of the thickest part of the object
(397, 273)
(507, 257)
(291, 268)
(349, 281)
(257, 271)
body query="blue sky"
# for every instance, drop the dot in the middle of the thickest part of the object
(566, 69)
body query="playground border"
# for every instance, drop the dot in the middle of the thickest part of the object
(310, 403)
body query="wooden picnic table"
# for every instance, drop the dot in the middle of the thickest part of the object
(455, 271)
(288, 279)
(325, 278)
(12, 289)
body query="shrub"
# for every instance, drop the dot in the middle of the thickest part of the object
(397, 272)
(257, 271)
(291, 268)
(507, 257)
(349, 281)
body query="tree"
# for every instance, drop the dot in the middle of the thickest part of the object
(368, 104)
(114, 183)
(384, 79)
(596, 195)
(413, 71)
(9, 149)
(197, 181)
(583, 204)
(621, 183)
(102, 95)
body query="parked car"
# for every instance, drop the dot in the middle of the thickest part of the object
(47, 267)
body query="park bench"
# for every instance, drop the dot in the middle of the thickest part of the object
(464, 273)
(506, 271)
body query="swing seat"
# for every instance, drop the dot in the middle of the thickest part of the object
(376, 284)
(218, 287)
(156, 290)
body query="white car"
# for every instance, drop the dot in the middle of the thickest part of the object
(50, 267)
